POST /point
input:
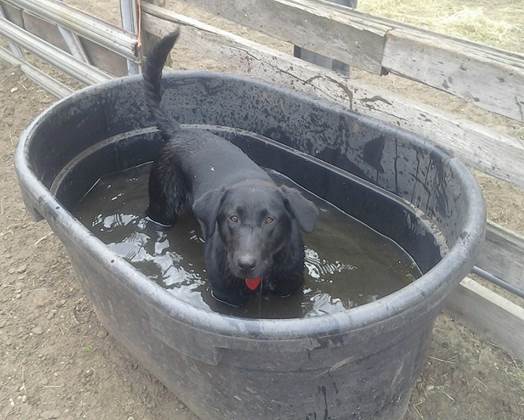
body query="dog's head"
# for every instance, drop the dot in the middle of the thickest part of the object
(254, 220)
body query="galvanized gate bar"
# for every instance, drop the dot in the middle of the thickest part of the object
(53, 86)
(64, 61)
(17, 52)
(87, 26)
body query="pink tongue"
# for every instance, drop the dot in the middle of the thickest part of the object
(253, 283)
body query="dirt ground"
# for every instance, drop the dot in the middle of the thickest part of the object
(56, 361)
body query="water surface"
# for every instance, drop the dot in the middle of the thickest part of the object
(347, 263)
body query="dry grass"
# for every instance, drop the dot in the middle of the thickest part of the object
(499, 23)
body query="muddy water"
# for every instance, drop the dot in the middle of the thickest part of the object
(347, 263)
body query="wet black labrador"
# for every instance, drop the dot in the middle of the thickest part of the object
(252, 227)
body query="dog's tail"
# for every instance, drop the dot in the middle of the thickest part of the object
(152, 74)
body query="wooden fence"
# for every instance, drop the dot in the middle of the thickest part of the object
(91, 51)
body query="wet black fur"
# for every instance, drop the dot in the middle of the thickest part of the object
(199, 170)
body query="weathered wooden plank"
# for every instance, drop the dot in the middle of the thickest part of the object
(476, 75)
(493, 153)
(490, 314)
(53, 86)
(501, 93)
(503, 255)
(96, 30)
(501, 54)
(491, 79)
(64, 61)
(309, 25)
(322, 60)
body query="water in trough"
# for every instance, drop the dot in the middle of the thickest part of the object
(347, 263)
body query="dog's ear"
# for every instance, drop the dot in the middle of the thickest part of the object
(206, 209)
(301, 208)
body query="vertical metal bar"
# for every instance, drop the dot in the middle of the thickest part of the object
(15, 49)
(320, 59)
(128, 13)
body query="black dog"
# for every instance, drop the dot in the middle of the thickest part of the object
(251, 226)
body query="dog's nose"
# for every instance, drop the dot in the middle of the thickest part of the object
(247, 262)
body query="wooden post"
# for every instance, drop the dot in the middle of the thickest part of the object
(320, 59)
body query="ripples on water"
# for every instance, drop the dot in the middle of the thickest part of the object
(347, 263)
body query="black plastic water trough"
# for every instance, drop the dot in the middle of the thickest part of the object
(357, 364)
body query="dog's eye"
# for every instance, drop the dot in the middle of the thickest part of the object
(233, 218)
(268, 220)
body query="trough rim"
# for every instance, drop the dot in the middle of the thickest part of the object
(429, 290)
